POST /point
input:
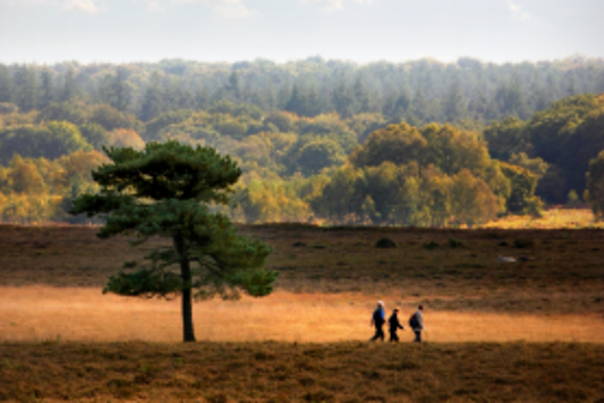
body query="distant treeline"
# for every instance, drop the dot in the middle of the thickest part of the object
(419, 92)
(367, 165)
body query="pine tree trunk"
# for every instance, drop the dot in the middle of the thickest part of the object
(187, 308)
(187, 315)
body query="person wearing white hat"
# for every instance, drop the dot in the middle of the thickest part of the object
(378, 319)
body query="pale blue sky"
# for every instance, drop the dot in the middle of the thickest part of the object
(47, 31)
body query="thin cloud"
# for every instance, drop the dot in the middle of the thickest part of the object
(154, 6)
(24, 2)
(517, 11)
(85, 6)
(225, 8)
(332, 5)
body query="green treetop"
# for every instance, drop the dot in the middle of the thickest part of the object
(167, 190)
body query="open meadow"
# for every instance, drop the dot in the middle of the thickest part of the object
(531, 330)
(551, 218)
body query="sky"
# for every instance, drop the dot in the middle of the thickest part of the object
(121, 31)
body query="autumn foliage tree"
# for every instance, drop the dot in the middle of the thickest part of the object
(595, 185)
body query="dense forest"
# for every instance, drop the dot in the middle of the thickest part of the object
(420, 143)
(418, 91)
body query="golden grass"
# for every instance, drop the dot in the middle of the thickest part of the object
(347, 372)
(557, 218)
(487, 322)
(564, 274)
(84, 314)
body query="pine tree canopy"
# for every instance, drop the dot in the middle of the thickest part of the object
(169, 190)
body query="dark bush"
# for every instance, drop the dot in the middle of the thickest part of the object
(430, 245)
(522, 243)
(385, 243)
(456, 243)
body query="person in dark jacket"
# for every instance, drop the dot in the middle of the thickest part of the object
(394, 325)
(378, 319)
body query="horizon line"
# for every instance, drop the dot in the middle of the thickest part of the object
(576, 58)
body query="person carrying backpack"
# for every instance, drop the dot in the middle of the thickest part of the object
(378, 319)
(416, 322)
(394, 325)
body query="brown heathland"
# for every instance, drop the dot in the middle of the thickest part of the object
(279, 372)
(57, 330)
(564, 273)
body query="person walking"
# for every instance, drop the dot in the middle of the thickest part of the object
(394, 325)
(416, 322)
(378, 319)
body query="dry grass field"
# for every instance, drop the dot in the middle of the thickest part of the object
(77, 314)
(287, 372)
(532, 330)
(563, 272)
(555, 218)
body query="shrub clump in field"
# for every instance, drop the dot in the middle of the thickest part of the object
(430, 245)
(218, 398)
(319, 396)
(456, 243)
(522, 243)
(386, 243)
(263, 356)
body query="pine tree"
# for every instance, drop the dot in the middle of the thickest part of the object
(284, 95)
(362, 95)
(343, 99)
(26, 88)
(234, 85)
(396, 105)
(6, 85)
(166, 190)
(46, 89)
(297, 101)
(454, 104)
(420, 108)
(153, 103)
(202, 99)
(121, 91)
(402, 102)
(314, 101)
(71, 89)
